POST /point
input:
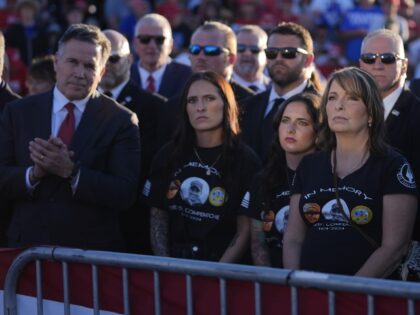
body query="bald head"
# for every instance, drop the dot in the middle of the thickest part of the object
(119, 44)
(119, 62)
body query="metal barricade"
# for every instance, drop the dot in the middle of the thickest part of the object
(190, 268)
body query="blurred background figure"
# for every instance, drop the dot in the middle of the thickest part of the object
(155, 71)
(249, 67)
(41, 75)
(26, 34)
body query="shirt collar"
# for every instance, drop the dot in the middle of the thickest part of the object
(260, 83)
(116, 90)
(59, 101)
(390, 101)
(299, 89)
(157, 75)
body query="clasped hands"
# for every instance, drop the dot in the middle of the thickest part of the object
(51, 157)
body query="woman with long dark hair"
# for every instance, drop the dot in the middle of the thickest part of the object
(197, 180)
(362, 191)
(267, 201)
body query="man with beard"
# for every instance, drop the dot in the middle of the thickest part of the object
(155, 72)
(383, 56)
(290, 59)
(250, 65)
(116, 83)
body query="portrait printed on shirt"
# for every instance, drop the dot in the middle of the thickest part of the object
(194, 191)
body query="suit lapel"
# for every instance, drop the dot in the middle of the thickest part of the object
(41, 113)
(164, 89)
(88, 125)
(397, 110)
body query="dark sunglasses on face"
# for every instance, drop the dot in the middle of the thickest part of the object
(286, 52)
(114, 58)
(241, 48)
(385, 58)
(145, 39)
(209, 50)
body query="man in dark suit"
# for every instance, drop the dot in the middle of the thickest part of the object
(6, 96)
(251, 62)
(69, 158)
(155, 72)
(212, 48)
(383, 56)
(290, 64)
(116, 83)
(6, 93)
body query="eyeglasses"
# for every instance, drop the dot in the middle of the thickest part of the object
(209, 50)
(145, 39)
(386, 58)
(114, 58)
(241, 48)
(286, 52)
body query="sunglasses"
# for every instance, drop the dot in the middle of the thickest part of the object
(114, 58)
(385, 58)
(286, 52)
(145, 39)
(241, 48)
(209, 50)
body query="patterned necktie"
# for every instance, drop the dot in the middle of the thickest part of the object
(66, 131)
(270, 115)
(150, 84)
(267, 130)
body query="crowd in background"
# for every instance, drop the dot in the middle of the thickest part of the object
(337, 27)
(153, 129)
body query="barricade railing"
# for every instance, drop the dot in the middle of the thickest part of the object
(258, 276)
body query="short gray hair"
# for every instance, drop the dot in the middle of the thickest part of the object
(155, 20)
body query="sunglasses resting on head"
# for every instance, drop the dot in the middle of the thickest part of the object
(385, 58)
(285, 52)
(209, 50)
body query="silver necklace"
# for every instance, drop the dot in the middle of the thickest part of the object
(208, 168)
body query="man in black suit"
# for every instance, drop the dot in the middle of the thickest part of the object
(212, 48)
(6, 96)
(69, 158)
(383, 56)
(6, 93)
(116, 83)
(290, 65)
(155, 72)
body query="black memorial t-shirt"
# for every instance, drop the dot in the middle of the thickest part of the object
(273, 220)
(331, 244)
(202, 210)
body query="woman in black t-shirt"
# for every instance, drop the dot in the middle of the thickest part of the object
(267, 201)
(353, 205)
(197, 180)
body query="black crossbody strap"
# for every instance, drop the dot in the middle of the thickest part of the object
(371, 241)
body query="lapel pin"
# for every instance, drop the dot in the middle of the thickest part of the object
(395, 112)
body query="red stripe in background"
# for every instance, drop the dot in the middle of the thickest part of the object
(275, 299)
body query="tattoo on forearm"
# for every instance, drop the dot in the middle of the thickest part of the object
(159, 232)
(259, 249)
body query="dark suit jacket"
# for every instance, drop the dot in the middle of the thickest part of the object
(6, 95)
(403, 132)
(415, 87)
(169, 117)
(135, 222)
(173, 79)
(147, 107)
(252, 121)
(106, 146)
